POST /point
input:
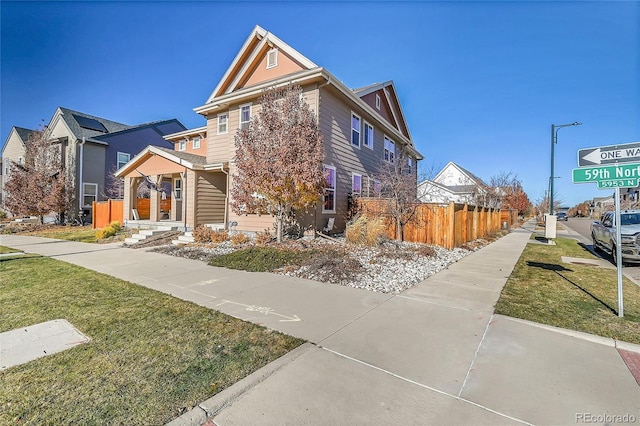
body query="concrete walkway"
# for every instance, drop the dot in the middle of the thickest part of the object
(435, 354)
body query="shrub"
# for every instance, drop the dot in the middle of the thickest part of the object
(263, 238)
(259, 259)
(109, 231)
(365, 231)
(239, 239)
(116, 226)
(202, 234)
(219, 236)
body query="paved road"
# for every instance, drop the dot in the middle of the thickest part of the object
(581, 228)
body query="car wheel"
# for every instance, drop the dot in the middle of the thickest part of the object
(614, 258)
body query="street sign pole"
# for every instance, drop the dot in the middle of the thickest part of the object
(618, 254)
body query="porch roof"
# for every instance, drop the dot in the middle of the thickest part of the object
(190, 161)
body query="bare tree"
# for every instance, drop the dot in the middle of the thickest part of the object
(279, 158)
(38, 185)
(399, 186)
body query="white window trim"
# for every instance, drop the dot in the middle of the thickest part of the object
(194, 140)
(376, 182)
(377, 101)
(84, 193)
(335, 184)
(118, 159)
(353, 114)
(240, 115)
(182, 145)
(353, 178)
(364, 139)
(177, 190)
(226, 124)
(385, 150)
(275, 52)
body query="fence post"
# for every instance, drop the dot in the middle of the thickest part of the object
(451, 223)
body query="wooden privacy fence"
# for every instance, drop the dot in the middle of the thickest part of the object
(105, 212)
(446, 226)
(143, 205)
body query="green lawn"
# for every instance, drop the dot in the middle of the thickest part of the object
(83, 234)
(151, 357)
(579, 297)
(7, 250)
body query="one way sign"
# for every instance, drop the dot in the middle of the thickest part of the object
(625, 153)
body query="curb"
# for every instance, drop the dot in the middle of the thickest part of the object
(212, 406)
(607, 341)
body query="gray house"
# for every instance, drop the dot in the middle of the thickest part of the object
(92, 148)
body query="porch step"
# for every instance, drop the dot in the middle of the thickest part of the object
(187, 238)
(144, 234)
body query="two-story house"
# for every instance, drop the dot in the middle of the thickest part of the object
(92, 148)
(453, 184)
(360, 128)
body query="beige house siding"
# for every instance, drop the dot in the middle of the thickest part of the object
(210, 204)
(260, 72)
(13, 150)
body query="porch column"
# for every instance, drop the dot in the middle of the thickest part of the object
(154, 203)
(126, 201)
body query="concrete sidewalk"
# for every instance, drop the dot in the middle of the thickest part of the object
(434, 354)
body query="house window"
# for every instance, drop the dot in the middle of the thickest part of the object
(245, 116)
(123, 158)
(89, 194)
(377, 101)
(356, 184)
(177, 189)
(6, 166)
(368, 135)
(272, 58)
(222, 123)
(377, 187)
(196, 142)
(355, 130)
(389, 150)
(182, 145)
(329, 205)
(410, 164)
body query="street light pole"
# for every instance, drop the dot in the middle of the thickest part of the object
(554, 140)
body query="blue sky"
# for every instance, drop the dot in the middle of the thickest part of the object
(480, 82)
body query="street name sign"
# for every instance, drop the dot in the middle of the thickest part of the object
(612, 154)
(623, 175)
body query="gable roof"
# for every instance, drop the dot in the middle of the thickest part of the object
(161, 127)
(190, 161)
(390, 97)
(24, 134)
(254, 48)
(259, 39)
(462, 170)
(73, 120)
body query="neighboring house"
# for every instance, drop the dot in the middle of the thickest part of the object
(452, 184)
(600, 205)
(14, 150)
(360, 129)
(93, 147)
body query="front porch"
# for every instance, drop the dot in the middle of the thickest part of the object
(197, 194)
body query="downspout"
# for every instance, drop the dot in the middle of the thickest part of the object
(184, 197)
(81, 187)
(226, 202)
(315, 212)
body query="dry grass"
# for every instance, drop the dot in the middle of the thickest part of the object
(579, 297)
(365, 231)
